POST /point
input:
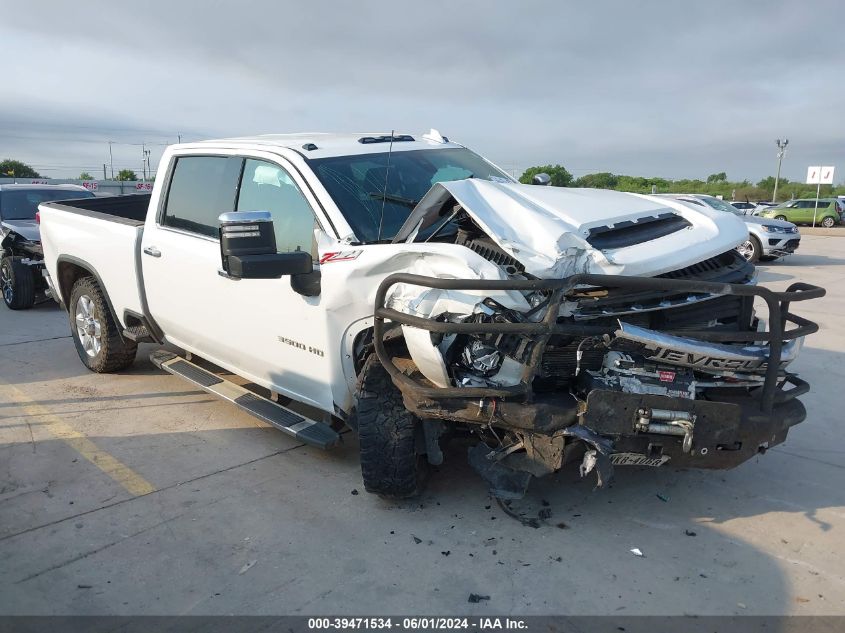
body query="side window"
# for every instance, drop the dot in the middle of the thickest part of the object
(201, 188)
(268, 187)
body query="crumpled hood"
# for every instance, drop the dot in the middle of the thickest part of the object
(546, 228)
(27, 229)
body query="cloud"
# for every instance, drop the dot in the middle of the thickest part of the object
(651, 88)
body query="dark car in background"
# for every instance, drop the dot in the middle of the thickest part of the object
(21, 281)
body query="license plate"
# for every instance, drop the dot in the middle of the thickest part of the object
(637, 459)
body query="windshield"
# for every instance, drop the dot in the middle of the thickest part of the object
(357, 184)
(21, 204)
(721, 205)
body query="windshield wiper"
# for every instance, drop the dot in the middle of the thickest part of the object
(389, 197)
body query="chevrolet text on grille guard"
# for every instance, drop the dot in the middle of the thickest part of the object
(408, 288)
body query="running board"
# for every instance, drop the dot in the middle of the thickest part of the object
(138, 333)
(311, 432)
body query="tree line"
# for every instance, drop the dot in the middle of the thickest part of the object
(715, 185)
(18, 169)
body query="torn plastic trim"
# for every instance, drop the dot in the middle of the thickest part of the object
(703, 356)
(598, 458)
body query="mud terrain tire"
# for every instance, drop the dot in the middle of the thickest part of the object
(390, 464)
(101, 348)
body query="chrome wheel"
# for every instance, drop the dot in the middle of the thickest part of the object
(6, 284)
(746, 249)
(88, 326)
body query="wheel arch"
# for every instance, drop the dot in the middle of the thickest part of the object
(69, 270)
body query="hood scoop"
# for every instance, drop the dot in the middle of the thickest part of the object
(631, 232)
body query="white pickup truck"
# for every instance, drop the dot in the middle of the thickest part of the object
(408, 288)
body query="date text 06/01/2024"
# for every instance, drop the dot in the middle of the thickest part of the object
(417, 623)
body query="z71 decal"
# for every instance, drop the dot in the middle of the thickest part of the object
(340, 256)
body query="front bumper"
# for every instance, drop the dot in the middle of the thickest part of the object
(726, 433)
(781, 246)
(731, 425)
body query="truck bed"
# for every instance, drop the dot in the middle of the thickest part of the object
(130, 209)
(101, 236)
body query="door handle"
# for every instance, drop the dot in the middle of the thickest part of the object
(152, 251)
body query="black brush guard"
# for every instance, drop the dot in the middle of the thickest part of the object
(779, 318)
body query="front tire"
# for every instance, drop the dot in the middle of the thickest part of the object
(17, 284)
(751, 249)
(95, 333)
(387, 434)
(828, 222)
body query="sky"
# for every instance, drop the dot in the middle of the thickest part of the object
(669, 89)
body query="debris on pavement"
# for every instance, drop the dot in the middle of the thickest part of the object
(416, 540)
(247, 566)
(637, 552)
(475, 598)
(662, 497)
(529, 521)
(689, 533)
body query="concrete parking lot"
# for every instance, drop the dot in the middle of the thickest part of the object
(137, 494)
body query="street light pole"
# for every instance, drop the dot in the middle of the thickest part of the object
(145, 160)
(111, 162)
(781, 151)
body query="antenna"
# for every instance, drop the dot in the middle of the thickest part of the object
(384, 191)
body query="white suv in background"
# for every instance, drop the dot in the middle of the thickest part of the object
(767, 239)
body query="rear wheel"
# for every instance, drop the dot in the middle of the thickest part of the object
(17, 283)
(95, 333)
(387, 434)
(750, 249)
(828, 222)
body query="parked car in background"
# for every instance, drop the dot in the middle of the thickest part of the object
(21, 281)
(828, 213)
(746, 207)
(767, 239)
(762, 206)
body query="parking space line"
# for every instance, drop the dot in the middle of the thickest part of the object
(127, 478)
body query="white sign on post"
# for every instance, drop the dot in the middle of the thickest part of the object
(820, 175)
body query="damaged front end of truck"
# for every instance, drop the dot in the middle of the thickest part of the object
(560, 360)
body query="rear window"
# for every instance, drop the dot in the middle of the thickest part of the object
(201, 188)
(21, 204)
